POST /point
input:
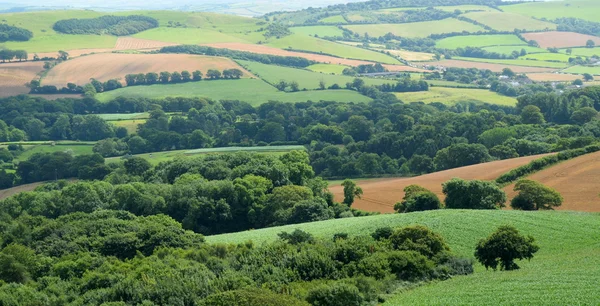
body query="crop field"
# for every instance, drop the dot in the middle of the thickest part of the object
(516, 62)
(189, 36)
(318, 30)
(252, 91)
(584, 51)
(381, 195)
(547, 57)
(508, 21)
(416, 29)
(412, 56)
(583, 69)
(74, 148)
(553, 77)
(333, 19)
(479, 41)
(490, 66)
(508, 50)
(584, 9)
(13, 77)
(576, 180)
(104, 67)
(560, 39)
(451, 96)
(306, 79)
(327, 68)
(307, 43)
(131, 125)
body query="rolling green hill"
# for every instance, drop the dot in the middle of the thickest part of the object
(564, 272)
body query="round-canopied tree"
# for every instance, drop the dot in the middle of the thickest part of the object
(535, 196)
(503, 247)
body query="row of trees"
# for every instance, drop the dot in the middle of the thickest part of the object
(12, 33)
(113, 25)
(9, 55)
(177, 77)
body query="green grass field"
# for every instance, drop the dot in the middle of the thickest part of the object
(333, 19)
(416, 29)
(306, 79)
(584, 9)
(318, 30)
(252, 91)
(564, 271)
(218, 22)
(327, 68)
(509, 49)
(583, 69)
(130, 125)
(188, 36)
(479, 41)
(76, 149)
(508, 21)
(451, 96)
(583, 51)
(157, 157)
(516, 62)
(307, 43)
(547, 57)
(449, 8)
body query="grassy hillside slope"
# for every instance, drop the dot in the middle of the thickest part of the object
(564, 272)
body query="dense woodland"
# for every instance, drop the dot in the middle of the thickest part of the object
(12, 33)
(113, 25)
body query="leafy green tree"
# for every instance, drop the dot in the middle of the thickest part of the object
(588, 77)
(294, 87)
(584, 115)
(578, 82)
(270, 132)
(165, 76)
(508, 72)
(186, 76)
(282, 85)
(213, 74)
(417, 198)
(197, 75)
(151, 78)
(338, 294)
(532, 114)
(21, 55)
(420, 239)
(590, 44)
(460, 155)
(296, 237)
(136, 165)
(473, 194)
(535, 196)
(176, 77)
(503, 247)
(496, 136)
(351, 191)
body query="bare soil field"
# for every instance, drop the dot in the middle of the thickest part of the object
(560, 39)
(490, 66)
(260, 49)
(106, 66)
(577, 180)
(381, 195)
(556, 77)
(13, 77)
(123, 44)
(7, 193)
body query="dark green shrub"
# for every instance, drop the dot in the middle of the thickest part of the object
(420, 239)
(504, 246)
(382, 233)
(410, 265)
(338, 294)
(251, 297)
(296, 237)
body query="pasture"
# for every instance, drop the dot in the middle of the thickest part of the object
(560, 39)
(13, 77)
(509, 22)
(327, 68)
(333, 19)
(312, 44)
(471, 63)
(117, 117)
(547, 57)
(412, 56)
(553, 77)
(416, 29)
(584, 52)
(584, 9)
(595, 70)
(188, 36)
(104, 67)
(515, 62)
(75, 148)
(479, 41)
(508, 50)
(450, 96)
(252, 91)
(305, 78)
(318, 31)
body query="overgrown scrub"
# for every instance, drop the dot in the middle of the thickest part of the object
(113, 25)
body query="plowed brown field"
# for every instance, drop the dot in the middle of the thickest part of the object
(261, 49)
(557, 77)
(13, 77)
(560, 39)
(123, 43)
(106, 66)
(381, 195)
(577, 180)
(7, 193)
(490, 66)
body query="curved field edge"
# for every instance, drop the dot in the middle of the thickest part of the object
(564, 271)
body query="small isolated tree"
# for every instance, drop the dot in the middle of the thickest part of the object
(417, 198)
(590, 43)
(473, 194)
(508, 72)
(578, 82)
(322, 85)
(351, 191)
(197, 75)
(534, 196)
(588, 77)
(186, 76)
(294, 86)
(503, 247)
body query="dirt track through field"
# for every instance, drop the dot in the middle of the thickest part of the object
(13, 77)
(381, 195)
(260, 49)
(561, 39)
(490, 66)
(106, 66)
(577, 180)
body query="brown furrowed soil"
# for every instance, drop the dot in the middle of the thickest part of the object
(490, 66)
(560, 39)
(260, 49)
(7, 193)
(13, 77)
(123, 44)
(381, 195)
(556, 77)
(577, 180)
(106, 66)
